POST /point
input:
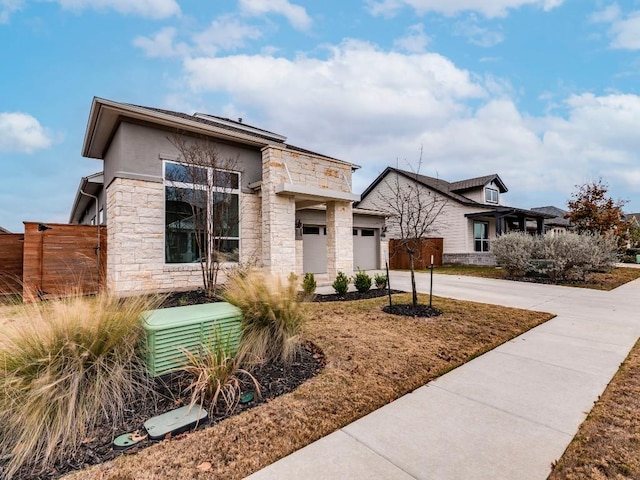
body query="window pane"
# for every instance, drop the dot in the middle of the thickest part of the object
(225, 215)
(368, 233)
(306, 230)
(223, 179)
(185, 215)
(229, 250)
(176, 172)
(355, 232)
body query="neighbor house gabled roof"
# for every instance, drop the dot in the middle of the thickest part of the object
(106, 115)
(453, 191)
(89, 187)
(4, 230)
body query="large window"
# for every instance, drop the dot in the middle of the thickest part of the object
(491, 195)
(202, 213)
(481, 236)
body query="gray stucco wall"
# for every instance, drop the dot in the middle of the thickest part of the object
(136, 152)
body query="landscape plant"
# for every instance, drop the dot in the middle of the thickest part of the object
(362, 281)
(215, 373)
(309, 285)
(514, 251)
(67, 366)
(341, 284)
(380, 280)
(272, 316)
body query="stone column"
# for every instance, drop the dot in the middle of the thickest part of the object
(339, 238)
(278, 218)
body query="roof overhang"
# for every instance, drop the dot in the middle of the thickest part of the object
(509, 212)
(105, 117)
(89, 187)
(303, 193)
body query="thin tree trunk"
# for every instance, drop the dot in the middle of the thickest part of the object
(414, 292)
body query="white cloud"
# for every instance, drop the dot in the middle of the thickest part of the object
(488, 8)
(476, 34)
(295, 14)
(8, 7)
(160, 44)
(225, 33)
(626, 32)
(607, 15)
(145, 8)
(414, 41)
(20, 132)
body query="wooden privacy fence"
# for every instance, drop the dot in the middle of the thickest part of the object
(423, 247)
(11, 245)
(58, 259)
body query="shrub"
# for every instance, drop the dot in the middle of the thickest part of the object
(341, 284)
(309, 284)
(215, 373)
(272, 316)
(362, 281)
(513, 252)
(66, 366)
(381, 280)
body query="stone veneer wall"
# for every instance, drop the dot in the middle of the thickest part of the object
(135, 240)
(281, 253)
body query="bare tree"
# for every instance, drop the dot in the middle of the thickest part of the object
(413, 210)
(203, 210)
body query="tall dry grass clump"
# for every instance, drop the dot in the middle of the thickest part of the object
(66, 366)
(272, 316)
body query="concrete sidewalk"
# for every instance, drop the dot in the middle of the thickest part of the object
(505, 415)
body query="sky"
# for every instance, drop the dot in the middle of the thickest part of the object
(545, 93)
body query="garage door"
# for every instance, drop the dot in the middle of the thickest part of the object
(314, 249)
(365, 248)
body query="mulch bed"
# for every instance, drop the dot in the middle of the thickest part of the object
(408, 310)
(275, 379)
(350, 296)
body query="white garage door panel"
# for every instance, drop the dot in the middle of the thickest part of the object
(314, 249)
(365, 249)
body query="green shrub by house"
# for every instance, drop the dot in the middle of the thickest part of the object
(362, 281)
(341, 284)
(381, 280)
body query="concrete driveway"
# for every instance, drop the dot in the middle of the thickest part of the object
(507, 414)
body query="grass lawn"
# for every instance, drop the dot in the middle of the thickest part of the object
(372, 358)
(596, 281)
(608, 442)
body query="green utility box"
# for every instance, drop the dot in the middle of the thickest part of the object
(170, 331)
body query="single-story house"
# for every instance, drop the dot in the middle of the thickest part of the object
(291, 208)
(473, 212)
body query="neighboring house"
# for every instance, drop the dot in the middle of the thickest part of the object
(294, 206)
(558, 224)
(4, 230)
(474, 213)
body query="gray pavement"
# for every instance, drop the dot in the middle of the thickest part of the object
(506, 414)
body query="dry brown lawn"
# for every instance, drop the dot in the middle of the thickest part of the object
(608, 442)
(597, 281)
(372, 359)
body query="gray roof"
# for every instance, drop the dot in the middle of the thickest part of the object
(558, 215)
(478, 182)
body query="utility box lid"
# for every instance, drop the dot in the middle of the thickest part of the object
(164, 318)
(170, 332)
(175, 421)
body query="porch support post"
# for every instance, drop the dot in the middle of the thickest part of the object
(339, 238)
(540, 225)
(522, 223)
(499, 225)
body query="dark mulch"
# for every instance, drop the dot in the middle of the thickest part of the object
(349, 296)
(408, 310)
(275, 379)
(181, 299)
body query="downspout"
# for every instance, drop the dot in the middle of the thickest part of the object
(98, 249)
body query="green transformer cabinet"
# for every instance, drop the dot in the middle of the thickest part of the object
(171, 331)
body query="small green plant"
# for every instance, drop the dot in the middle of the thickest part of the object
(309, 284)
(272, 316)
(381, 281)
(216, 374)
(341, 284)
(66, 366)
(362, 281)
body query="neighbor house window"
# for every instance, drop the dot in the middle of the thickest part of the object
(201, 213)
(491, 195)
(481, 236)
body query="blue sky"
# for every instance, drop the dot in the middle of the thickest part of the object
(543, 92)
